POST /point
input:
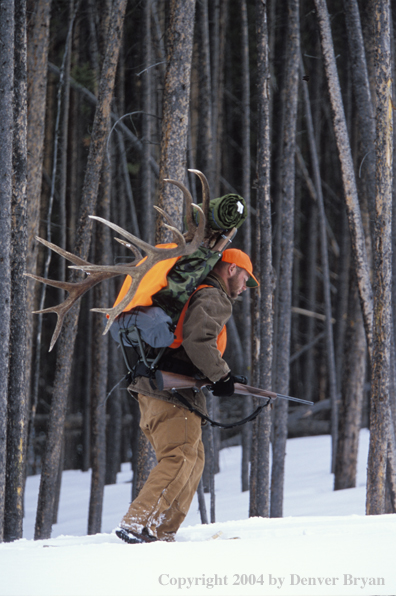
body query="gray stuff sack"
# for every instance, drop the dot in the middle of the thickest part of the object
(154, 325)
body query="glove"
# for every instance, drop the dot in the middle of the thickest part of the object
(225, 387)
(240, 379)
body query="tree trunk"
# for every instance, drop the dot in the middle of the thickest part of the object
(247, 241)
(114, 426)
(37, 59)
(262, 318)
(68, 335)
(18, 389)
(352, 390)
(286, 259)
(147, 200)
(365, 113)
(99, 355)
(380, 410)
(205, 125)
(202, 503)
(331, 370)
(6, 127)
(347, 170)
(175, 110)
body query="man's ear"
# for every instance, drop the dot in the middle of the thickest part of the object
(232, 269)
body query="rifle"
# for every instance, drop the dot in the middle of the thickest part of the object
(175, 381)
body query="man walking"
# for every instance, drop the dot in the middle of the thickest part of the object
(173, 430)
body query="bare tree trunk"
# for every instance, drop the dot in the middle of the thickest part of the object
(202, 503)
(347, 170)
(218, 94)
(380, 410)
(352, 390)
(365, 112)
(114, 426)
(6, 126)
(68, 335)
(18, 389)
(37, 59)
(326, 276)
(176, 108)
(147, 201)
(262, 318)
(286, 259)
(99, 355)
(247, 241)
(205, 125)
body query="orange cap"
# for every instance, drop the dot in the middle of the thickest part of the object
(241, 259)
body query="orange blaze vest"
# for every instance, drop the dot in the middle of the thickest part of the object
(152, 282)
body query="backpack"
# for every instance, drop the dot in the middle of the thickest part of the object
(149, 320)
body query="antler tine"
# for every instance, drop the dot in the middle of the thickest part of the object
(205, 195)
(191, 227)
(133, 239)
(75, 290)
(132, 248)
(64, 253)
(171, 226)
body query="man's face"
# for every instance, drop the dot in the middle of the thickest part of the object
(237, 282)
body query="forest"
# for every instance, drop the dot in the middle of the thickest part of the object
(286, 103)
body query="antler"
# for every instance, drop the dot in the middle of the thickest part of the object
(98, 273)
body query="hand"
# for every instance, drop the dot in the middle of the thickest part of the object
(240, 379)
(224, 387)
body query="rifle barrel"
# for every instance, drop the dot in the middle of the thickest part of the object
(176, 381)
(297, 399)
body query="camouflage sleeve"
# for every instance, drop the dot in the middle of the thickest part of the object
(208, 312)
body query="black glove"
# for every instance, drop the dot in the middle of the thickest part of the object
(225, 387)
(240, 379)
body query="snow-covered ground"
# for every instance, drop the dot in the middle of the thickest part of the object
(323, 545)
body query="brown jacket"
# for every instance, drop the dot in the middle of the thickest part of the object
(208, 311)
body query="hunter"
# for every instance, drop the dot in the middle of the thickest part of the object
(169, 424)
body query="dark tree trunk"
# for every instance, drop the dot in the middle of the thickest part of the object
(201, 503)
(68, 336)
(114, 426)
(99, 355)
(380, 409)
(286, 230)
(331, 370)
(6, 127)
(205, 128)
(348, 176)
(262, 317)
(147, 199)
(365, 113)
(18, 389)
(247, 241)
(352, 390)
(176, 102)
(37, 60)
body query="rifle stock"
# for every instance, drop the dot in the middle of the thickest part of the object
(175, 381)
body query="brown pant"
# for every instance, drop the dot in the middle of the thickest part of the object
(163, 502)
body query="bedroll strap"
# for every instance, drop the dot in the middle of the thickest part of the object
(252, 416)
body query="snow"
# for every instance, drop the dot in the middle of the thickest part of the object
(324, 544)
